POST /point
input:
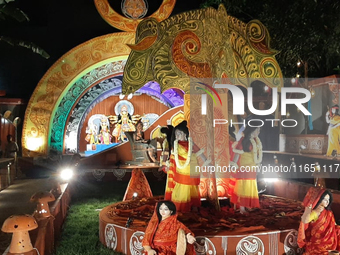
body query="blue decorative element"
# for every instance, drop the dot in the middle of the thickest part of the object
(99, 148)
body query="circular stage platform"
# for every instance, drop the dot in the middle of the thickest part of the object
(269, 230)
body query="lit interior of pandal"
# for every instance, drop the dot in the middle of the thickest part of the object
(196, 100)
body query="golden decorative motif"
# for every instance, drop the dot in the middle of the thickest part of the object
(187, 109)
(201, 43)
(134, 9)
(50, 88)
(129, 25)
(177, 118)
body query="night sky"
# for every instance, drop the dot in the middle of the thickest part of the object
(57, 26)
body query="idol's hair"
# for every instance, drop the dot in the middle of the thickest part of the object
(327, 192)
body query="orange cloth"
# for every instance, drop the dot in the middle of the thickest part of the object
(321, 235)
(162, 236)
(170, 184)
(138, 183)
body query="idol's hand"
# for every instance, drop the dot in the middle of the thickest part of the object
(152, 252)
(306, 215)
(190, 238)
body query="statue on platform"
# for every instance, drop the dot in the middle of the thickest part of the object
(185, 192)
(92, 133)
(333, 118)
(124, 120)
(144, 151)
(104, 131)
(318, 233)
(248, 155)
(166, 146)
(163, 230)
(139, 133)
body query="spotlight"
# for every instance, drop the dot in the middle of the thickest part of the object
(276, 161)
(121, 96)
(317, 166)
(266, 88)
(135, 195)
(312, 92)
(129, 96)
(66, 174)
(298, 63)
(270, 180)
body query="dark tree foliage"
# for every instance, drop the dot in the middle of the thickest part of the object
(10, 15)
(305, 30)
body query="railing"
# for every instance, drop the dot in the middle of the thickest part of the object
(7, 173)
(49, 228)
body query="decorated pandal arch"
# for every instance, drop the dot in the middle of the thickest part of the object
(79, 80)
(197, 45)
(177, 52)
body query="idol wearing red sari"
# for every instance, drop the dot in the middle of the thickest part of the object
(161, 235)
(318, 232)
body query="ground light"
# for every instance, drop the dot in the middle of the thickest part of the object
(66, 174)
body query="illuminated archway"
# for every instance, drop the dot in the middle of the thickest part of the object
(63, 85)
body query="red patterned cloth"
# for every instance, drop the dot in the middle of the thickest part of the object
(162, 236)
(138, 183)
(322, 235)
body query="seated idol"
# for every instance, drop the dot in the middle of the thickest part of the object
(318, 232)
(161, 234)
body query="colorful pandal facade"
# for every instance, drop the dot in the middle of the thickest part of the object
(200, 44)
(209, 45)
(69, 89)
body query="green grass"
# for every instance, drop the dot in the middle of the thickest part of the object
(80, 235)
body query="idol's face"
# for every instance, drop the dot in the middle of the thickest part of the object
(180, 135)
(325, 201)
(123, 111)
(164, 211)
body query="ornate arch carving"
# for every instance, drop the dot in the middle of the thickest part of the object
(60, 79)
(129, 25)
(204, 43)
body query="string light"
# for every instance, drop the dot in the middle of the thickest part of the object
(312, 92)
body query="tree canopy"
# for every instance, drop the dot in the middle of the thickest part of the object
(301, 30)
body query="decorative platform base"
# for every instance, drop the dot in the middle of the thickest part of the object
(96, 148)
(276, 236)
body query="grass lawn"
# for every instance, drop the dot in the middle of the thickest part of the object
(80, 235)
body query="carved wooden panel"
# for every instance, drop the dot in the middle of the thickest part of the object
(314, 144)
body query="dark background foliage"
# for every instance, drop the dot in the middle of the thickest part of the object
(307, 30)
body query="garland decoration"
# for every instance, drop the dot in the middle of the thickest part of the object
(257, 149)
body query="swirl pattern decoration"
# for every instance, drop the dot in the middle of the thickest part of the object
(202, 43)
(116, 20)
